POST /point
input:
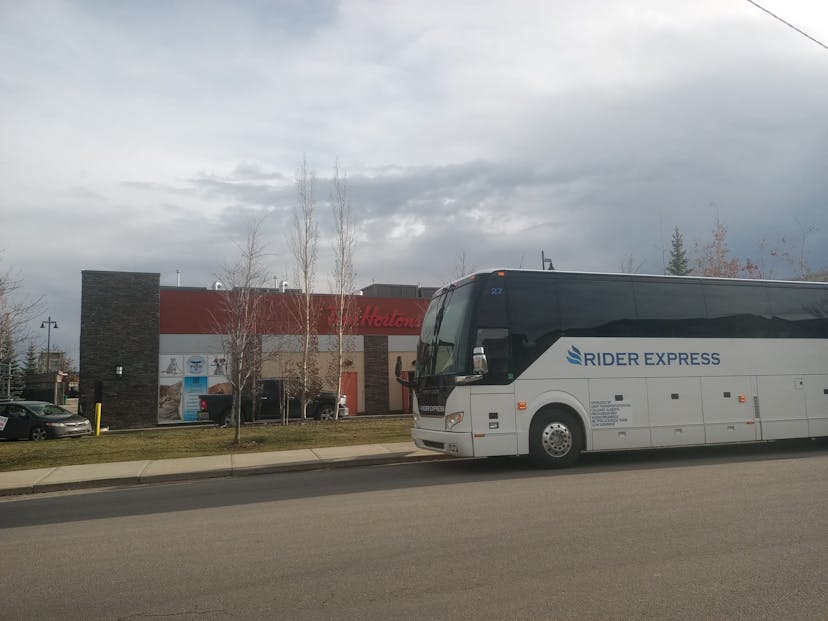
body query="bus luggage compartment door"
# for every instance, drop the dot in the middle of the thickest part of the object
(619, 414)
(816, 401)
(782, 406)
(493, 421)
(675, 410)
(729, 414)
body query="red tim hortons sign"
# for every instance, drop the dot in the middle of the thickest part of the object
(379, 317)
(201, 312)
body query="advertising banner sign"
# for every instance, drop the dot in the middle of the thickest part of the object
(182, 378)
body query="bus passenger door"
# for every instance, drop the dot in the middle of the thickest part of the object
(493, 420)
(493, 398)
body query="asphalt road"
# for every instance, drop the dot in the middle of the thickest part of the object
(721, 533)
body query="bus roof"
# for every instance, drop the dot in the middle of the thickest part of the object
(689, 278)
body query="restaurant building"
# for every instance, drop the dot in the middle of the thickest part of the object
(150, 350)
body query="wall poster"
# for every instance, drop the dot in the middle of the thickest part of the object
(182, 378)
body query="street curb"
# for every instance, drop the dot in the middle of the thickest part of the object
(77, 485)
(28, 488)
(17, 491)
(132, 481)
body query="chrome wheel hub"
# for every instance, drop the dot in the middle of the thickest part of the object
(556, 439)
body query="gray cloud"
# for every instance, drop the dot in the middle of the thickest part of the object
(587, 130)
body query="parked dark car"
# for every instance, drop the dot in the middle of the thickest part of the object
(39, 420)
(219, 408)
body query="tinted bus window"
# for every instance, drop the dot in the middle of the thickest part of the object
(670, 309)
(533, 314)
(738, 311)
(596, 307)
(669, 300)
(492, 328)
(799, 312)
(491, 309)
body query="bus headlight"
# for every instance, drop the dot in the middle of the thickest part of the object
(452, 419)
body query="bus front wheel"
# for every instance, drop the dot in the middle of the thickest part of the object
(555, 439)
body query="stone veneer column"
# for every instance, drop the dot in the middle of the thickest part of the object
(376, 375)
(120, 323)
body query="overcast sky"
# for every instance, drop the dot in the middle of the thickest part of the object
(146, 136)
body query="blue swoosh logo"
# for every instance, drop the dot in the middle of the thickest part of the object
(573, 355)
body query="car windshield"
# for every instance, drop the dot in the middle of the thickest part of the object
(49, 409)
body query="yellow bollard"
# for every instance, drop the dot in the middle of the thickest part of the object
(97, 419)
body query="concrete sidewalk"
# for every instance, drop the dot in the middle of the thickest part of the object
(158, 470)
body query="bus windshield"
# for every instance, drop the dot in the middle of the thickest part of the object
(443, 347)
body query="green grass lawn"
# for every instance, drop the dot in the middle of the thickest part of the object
(193, 442)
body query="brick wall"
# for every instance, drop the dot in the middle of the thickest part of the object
(376, 375)
(119, 327)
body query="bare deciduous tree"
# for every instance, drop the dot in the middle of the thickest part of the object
(12, 381)
(789, 250)
(629, 264)
(713, 258)
(16, 310)
(303, 245)
(240, 319)
(794, 252)
(462, 267)
(343, 276)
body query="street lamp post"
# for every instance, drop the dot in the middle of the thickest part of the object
(48, 325)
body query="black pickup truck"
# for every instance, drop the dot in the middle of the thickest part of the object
(219, 408)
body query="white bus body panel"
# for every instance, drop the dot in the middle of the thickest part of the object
(673, 402)
(782, 407)
(726, 419)
(816, 403)
(648, 396)
(429, 432)
(493, 420)
(619, 415)
(488, 427)
(676, 410)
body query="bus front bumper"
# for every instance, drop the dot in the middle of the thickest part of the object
(448, 442)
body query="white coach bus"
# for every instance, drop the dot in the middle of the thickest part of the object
(550, 364)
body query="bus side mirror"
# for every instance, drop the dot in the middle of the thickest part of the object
(479, 362)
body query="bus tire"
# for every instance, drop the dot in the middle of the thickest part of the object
(555, 439)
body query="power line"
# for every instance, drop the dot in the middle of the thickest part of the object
(788, 24)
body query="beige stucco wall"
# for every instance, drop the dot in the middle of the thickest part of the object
(280, 365)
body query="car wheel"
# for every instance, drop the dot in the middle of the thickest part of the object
(37, 433)
(555, 439)
(325, 412)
